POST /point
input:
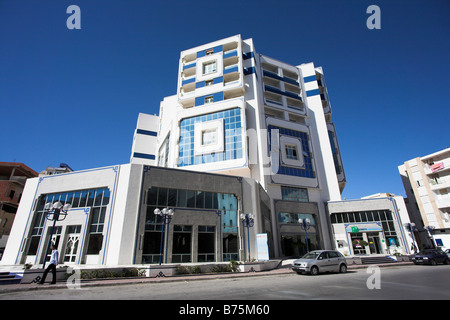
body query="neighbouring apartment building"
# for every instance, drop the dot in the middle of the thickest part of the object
(427, 185)
(12, 181)
(244, 133)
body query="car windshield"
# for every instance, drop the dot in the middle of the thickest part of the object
(311, 255)
(425, 252)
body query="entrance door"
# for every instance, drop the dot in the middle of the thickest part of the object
(374, 243)
(72, 244)
(182, 243)
(54, 240)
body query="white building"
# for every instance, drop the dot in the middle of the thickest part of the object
(244, 133)
(371, 225)
(427, 185)
(242, 113)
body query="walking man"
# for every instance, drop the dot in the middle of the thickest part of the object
(53, 263)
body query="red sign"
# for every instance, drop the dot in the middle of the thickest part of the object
(437, 166)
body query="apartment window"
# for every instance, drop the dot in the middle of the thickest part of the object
(209, 99)
(291, 152)
(209, 137)
(294, 194)
(209, 67)
(208, 52)
(209, 83)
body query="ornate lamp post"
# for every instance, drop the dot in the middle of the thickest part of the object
(305, 224)
(59, 213)
(248, 221)
(166, 215)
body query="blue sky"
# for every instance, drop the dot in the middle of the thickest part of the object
(74, 96)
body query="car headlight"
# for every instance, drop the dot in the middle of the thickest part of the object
(425, 258)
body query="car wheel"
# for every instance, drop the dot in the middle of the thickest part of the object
(433, 262)
(343, 268)
(314, 271)
(447, 261)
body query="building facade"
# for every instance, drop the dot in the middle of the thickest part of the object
(427, 185)
(372, 225)
(241, 113)
(112, 222)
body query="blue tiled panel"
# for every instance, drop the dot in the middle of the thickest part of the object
(232, 134)
(307, 171)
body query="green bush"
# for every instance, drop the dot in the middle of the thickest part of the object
(105, 273)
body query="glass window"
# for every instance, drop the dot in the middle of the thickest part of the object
(172, 201)
(76, 199)
(95, 243)
(152, 196)
(209, 137)
(209, 67)
(209, 99)
(83, 198)
(291, 152)
(208, 200)
(90, 198)
(294, 194)
(376, 216)
(98, 197)
(200, 200)
(182, 198)
(106, 196)
(190, 199)
(162, 196)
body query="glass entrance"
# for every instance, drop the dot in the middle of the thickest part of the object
(358, 242)
(72, 244)
(374, 242)
(182, 243)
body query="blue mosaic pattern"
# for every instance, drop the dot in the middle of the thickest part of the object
(307, 171)
(232, 135)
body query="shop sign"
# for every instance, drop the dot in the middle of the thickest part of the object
(362, 227)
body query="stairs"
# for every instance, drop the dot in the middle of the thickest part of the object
(377, 260)
(9, 278)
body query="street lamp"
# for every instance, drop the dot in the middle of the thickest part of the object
(305, 224)
(248, 221)
(59, 212)
(411, 226)
(166, 215)
(430, 231)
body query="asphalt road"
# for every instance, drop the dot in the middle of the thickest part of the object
(389, 283)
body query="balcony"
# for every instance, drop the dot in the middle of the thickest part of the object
(438, 167)
(440, 183)
(443, 201)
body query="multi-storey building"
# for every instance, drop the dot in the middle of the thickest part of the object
(242, 113)
(12, 181)
(244, 133)
(427, 184)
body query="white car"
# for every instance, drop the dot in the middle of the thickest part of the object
(318, 261)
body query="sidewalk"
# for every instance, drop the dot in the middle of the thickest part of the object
(83, 284)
